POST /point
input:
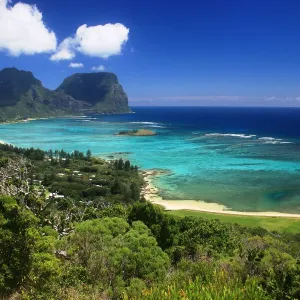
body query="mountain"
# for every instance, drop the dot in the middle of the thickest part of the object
(101, 90)
(13, 84)
(23, 96)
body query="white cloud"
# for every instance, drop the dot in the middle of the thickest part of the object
(271, 98)
(22, 30)
(65, 50)
(98, 68)
(298, 98)
(76, 65)
(102, 41)
(97, 41)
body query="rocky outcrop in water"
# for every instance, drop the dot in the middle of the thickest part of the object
(139, 132)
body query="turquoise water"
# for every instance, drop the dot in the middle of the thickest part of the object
(211, 155)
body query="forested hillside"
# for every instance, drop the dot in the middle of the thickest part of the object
(23, 96)
(73, 226)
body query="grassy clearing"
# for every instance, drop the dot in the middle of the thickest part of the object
(291, 225)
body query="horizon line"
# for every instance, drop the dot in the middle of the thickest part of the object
(214, 106)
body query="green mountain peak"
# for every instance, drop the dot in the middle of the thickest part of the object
(23, 96)
(102, 90)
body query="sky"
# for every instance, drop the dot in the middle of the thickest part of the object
(182, 53)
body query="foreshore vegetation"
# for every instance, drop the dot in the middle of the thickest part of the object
(74, 226)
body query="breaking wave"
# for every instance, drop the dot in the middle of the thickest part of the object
(146, 123)
(267, 138)
(244, 136)
(273, 141)
(264, 140)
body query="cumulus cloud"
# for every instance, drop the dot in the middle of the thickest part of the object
(76, 65)
(102, 41)
(96, 41)
(22, 30)
(98, 68)
(65, 50)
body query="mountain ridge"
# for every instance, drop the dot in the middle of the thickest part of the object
(102, 90)
(23, 96)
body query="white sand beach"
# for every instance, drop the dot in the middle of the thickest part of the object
(151, 193)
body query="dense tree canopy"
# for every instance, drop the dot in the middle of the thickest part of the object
(73, 226)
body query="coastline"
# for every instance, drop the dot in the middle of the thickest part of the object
(25, 120)
(60, 116)
(151, 194)
(41, 118)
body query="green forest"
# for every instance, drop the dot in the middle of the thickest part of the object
(74, 226)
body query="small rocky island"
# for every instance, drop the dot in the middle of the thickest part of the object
(137, 132)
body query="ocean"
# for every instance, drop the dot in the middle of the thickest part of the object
(247, 159)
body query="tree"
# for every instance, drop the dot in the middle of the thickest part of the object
(15, 244)
(135, 191)
(281, 274)
(120, 164)
(117, 187)
(26, 256)
(127, 165)
(88, 154)
(113, 253)
(14, 177)
(50, 153)
(164, 227)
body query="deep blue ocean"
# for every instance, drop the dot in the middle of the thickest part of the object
(247, 159)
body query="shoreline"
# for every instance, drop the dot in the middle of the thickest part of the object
(4, 143)
(151, 194)
(58, 117)
(37, 119)
(34, 119)
(25, 120)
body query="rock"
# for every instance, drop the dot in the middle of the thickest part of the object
(140, 132)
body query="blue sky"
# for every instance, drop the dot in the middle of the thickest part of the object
(213, 52)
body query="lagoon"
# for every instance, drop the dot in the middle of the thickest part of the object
(247, 159)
